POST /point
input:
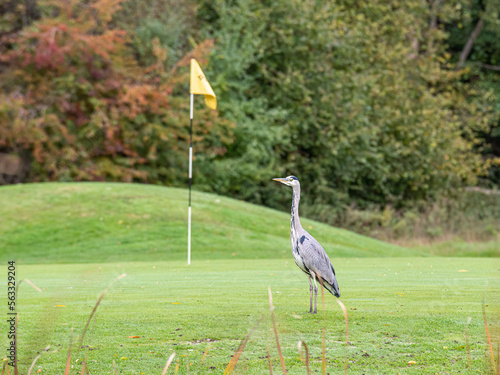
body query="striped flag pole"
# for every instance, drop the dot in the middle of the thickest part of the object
(190, 175)
(198, 85)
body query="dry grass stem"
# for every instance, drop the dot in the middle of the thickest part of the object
(205, 353)
(15, 341)
(84, 364)
(36, 359)
(68, 361)
(494, 367)
(5, 367)
(33, 285)
(114, 367)
(305, 358)
(346, 318)
(232, 364)
(95, 308)
(467, 341)
(346, 321)
(498, 358)
(269, 361)
(276, 331)
(167, 365)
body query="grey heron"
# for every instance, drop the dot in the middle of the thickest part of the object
(308, 254)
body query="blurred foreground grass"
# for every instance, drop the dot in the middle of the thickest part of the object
(400, 310)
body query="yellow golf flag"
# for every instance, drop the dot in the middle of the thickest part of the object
(200, 85)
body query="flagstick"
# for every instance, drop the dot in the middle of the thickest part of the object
(190, 175)
(198, 85)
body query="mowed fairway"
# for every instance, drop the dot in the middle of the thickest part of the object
(407, 313)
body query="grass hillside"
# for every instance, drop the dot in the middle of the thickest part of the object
(106, 222)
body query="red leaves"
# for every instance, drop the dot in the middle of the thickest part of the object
(85, 109)
(46, 53)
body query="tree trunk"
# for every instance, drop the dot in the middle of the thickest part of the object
(434, 13)
(470, 42)
(415, 46)
(489, 67)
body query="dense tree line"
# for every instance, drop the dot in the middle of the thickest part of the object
(371, 104)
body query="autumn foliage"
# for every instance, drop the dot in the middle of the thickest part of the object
(77, 105)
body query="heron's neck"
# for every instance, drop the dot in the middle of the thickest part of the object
(295, 208)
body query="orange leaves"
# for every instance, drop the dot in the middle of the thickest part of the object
(134, 99)
(105, 44)
(106, 8)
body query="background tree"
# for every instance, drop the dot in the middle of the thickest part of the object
(474, 42)
(365, 114)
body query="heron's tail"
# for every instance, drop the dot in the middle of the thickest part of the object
(332, 287)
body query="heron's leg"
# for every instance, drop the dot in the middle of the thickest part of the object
(315, 292)
(311, 294)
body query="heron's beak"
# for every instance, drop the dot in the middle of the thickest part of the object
(282, 180)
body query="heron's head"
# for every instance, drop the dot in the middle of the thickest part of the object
(290, 181)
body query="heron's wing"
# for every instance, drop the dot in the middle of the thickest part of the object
(316, 259)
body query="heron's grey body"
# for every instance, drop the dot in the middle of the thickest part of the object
(308, 254)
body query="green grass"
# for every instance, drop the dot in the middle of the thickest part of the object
(402, 306)
(460, 248)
